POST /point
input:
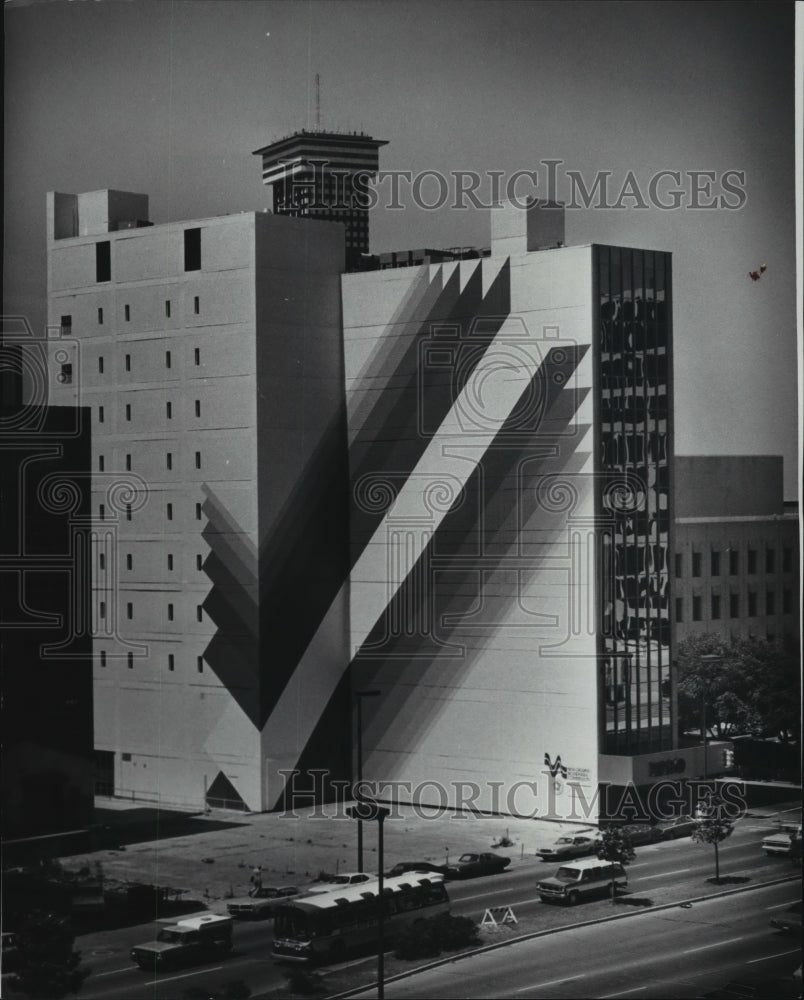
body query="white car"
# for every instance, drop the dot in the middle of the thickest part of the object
(261, 902)
(335, 882)
(781, 842)
(575, 846)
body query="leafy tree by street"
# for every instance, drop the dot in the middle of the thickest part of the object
(49, 967)
(615, 846)
(713, 828)
(752, 689)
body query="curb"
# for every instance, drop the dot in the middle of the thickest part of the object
(556, 930)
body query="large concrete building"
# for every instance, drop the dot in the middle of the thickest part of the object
(209, 355)
(447, 482)
(736, 560)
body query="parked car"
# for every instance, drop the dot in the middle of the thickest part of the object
(469, 865)
(335, 882)
(784, 841)
(642, 833)
(679, 826)
(415, 866)
(261, 902)
(790, 921)
(574, 846)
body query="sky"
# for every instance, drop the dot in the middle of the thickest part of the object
(172, 98)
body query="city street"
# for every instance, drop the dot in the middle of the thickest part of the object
(660, 874)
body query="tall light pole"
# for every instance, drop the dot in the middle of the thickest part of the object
(359, 696)
(708, 660)
(369, 811)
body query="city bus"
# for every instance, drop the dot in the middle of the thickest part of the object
(323, 928)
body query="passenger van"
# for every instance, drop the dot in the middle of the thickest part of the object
(580, 880)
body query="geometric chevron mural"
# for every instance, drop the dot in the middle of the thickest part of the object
(447, 483)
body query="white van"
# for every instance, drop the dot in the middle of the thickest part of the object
(579, 880)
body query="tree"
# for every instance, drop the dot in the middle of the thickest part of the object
(615, 846)
(753, 688)
(713, 828)
(49, 968)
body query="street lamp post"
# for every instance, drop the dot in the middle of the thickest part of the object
(359, 696)
(709, 660)
(369, 811)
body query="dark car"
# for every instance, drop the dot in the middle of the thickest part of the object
(790, 921)
(414, 866)
(680, 826)
(641, 833)
(469, 865)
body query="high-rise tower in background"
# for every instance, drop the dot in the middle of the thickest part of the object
(325, 175)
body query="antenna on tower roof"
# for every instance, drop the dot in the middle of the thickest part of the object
(317, 103)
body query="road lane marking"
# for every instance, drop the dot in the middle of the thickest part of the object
(553, 982)
(116, 972)
(717, 944)
(622, 993)
(767, 958)
(186, 975)
(778, 906)
(678, 871)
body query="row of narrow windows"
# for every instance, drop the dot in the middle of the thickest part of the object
(66, 376)
(199, 561)
(171, 611)
(171, 661)
(67, 320)
(168, 413)
(168, 511)
(717, 605)
(168, 461)
(752, 562)
(192, 255)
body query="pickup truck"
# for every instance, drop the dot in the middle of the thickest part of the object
(261, 902)
(202, 937)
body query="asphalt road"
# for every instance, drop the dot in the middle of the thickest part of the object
(660, 873)
(672, 953)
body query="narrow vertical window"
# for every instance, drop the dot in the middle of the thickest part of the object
(192, 249)
(128, 511)
(170, 612)
(100, 315)
(200, 664)
(103, 261)
(66, 374)
(170, 560)
(770, 560)
(128, 463)
(129, 610)
(198, 460)
(170, 512)
(127, 312)
(102, 512)
(199, 613)
(103, 657)
(167, 308)
(734, 562)
(128, 411)
(734, 605)
(198, 512)
(167, 359)
(714, 563)
(198, 407)
(197, 354)
(715, 609)
(696, 607)
(128, 362)
(66, 326)
(199, 562)
(696, 563)
(169, 461)
(101, 560)
(101, 462)
(197, 305)
(752, 604)
(102, 609)
(100, 365)
(171, 662)
(679, 609)
(770, 603)
(129, 561)
(169, 410)
(752, 561)
(100, 414)
(130, 660)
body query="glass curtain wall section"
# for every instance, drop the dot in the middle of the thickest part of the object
(634, 307)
